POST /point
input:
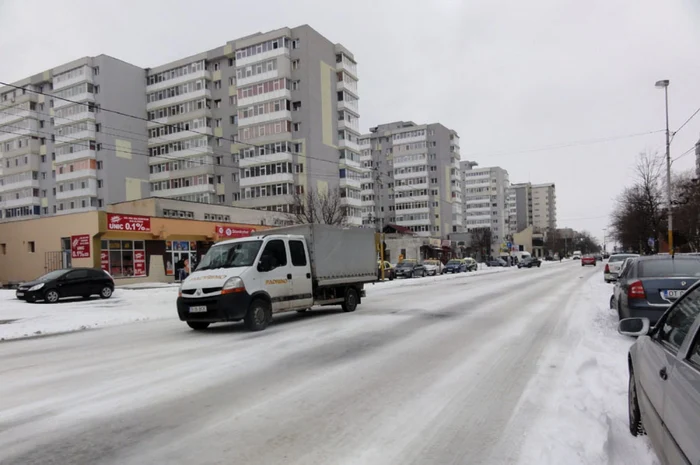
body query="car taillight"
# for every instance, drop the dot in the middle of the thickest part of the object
(607, 268)
(636, 291)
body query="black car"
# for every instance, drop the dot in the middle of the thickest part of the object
(71, 282)
(649, 285)
(530, 262)
(409, 269)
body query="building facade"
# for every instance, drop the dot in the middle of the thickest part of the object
(412, 178)
(58, 143)
(256, 123)
(535, 205)
(487, 203)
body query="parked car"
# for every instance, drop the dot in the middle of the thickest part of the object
(664, 379)
(530, 262)
(456, 265)
(497, 262)
(649, 285)
(472, 265)
(410, 269)
(69, 282)
(598, 257)
(616, 288)
(588, 260)
(433, 267)
(389, 272)
(612, 268)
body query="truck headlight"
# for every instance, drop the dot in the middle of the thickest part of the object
(36, 287)
(233, 285)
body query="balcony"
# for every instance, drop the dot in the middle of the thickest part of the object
(414, 198)
(351, 125)
(26, 127)
(85, 77)
(347, 66)
(346, 144)
(414, 222)
(72, 119)
(346, 162)
(274, 95)
(265, 159)
(403, 164)
(262, 77)
(351, 202)
(274, 116)
(7, 116)
(352, 183)
(349, 87)
(202, 74)
(80, 155)
(70, 211)
(166, 102)
(178, 191)
(196, 151)
(61, 177)
(410, 187)
(180, 135)
(23, 202)
(279, 178)
(68, 138)
(83, 98)
(90, 191)
(416, 174)
(350, 105)
(182, 173)
(413, 211)
(33, 183)
(282, 51)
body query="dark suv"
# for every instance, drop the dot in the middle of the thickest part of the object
(71, 282)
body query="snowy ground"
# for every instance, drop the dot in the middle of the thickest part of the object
(503, 366)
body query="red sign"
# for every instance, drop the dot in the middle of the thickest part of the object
(80, 246)
(139, 268)
(229, 232)
(104, 260)
(116, 222)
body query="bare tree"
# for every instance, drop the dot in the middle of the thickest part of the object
(321, 207)
(482, 240)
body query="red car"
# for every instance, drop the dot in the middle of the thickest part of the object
(588, 260)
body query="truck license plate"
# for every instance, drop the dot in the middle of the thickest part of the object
(198, 309)
(671, 294)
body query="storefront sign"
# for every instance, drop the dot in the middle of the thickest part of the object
(228, 232)
(435, 242)
(104, 260)
(117, 222)
(446, 243)
(139, 263)
(80, 246)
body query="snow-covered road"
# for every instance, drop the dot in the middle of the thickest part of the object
(466, 370)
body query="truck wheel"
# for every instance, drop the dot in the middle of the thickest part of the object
(350, 303)
(258, 316)
(198, 325)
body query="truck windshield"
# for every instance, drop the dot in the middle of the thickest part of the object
(230, 255)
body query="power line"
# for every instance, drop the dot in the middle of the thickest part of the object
(684, 153)
(686, 121)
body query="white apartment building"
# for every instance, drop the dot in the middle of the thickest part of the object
(536, 205)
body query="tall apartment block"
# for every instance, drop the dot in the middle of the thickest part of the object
(536, 205)
(57, 156)
(250, 124)
(289, 100)
(486, 200)
(413, 179)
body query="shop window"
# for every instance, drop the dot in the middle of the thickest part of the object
(124, 258)
(181, 258)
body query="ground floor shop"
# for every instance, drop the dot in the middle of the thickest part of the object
(132, 248)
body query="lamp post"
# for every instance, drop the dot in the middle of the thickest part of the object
(664, 85)
(605, 230)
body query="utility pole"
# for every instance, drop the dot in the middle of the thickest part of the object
(664, 84)
(381, 226)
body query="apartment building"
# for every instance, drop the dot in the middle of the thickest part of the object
(58, 144)
(486, 200)
(252, 123)
(412, 178)
(535, 205)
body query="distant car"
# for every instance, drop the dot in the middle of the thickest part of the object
(456, 265)
(472, 265)
(588, 260)
(389, 272)
(598, 257)
(410, 269)
(576, 255)
(612, 268)
(433, 267)
(606, 256)
(497, 262)
(664, 379)
(530, 262)
(651, 284)
(69, 282)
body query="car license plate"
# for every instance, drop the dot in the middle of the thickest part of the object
(20, 294)
(198, 309)
(672, 294)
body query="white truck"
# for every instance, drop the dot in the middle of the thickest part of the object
(279, 270)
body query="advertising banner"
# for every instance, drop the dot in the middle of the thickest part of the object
(134, 223)
(231, 232)
(80, 246)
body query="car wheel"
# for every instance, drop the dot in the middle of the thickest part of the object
(198, 325)
(350, 303)
(51, 296)
(106, 292)
(258, 316)
(635, 416)
(422, 274)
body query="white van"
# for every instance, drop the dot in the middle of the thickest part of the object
(283, 270)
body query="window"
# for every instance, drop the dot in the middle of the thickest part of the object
(99, 183)
(296, 85)
(296, 251)
(217, 84)
(99, 165)
(77, 274)
(217, 103)
(30, 247)
(678, 322)
(230, 62)
(3, 249)
(125, 258)
(295, 43)
(295, 64)
(297, 126)
(216, 67)
(277, 253)
(296, 106)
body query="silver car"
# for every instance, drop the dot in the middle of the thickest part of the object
(664, 381)
(612, 268)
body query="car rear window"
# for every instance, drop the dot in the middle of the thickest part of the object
(669, 268)
(619, 258)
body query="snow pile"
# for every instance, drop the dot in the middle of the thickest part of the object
(580, 392)
(22, 319)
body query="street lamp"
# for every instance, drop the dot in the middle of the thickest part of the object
(664, 85)
(605, 231)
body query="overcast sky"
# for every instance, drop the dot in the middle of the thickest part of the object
(509, 76)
